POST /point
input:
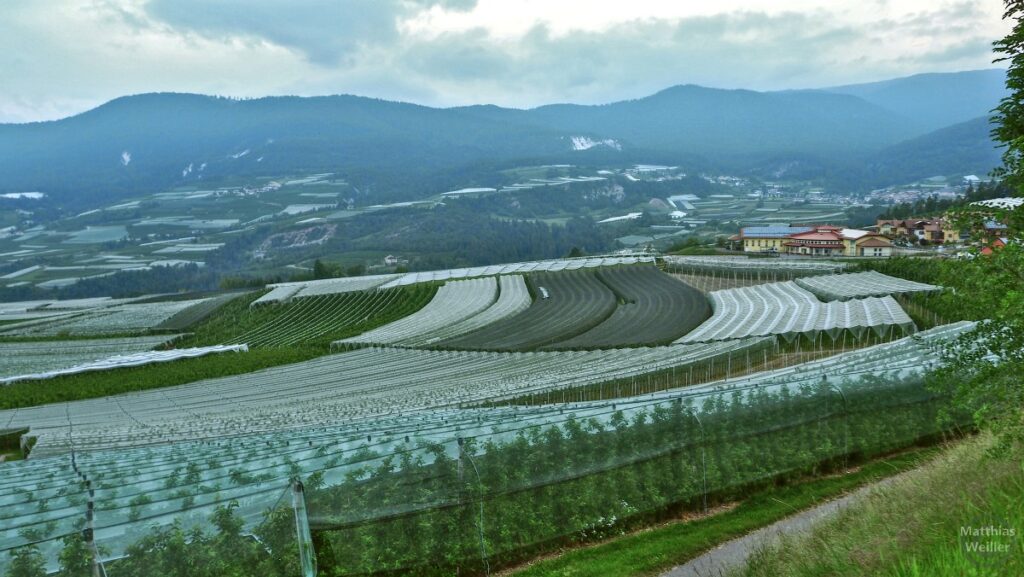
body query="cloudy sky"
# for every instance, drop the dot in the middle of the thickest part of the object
(60, 57)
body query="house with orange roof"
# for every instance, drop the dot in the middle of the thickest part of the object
(996, 244)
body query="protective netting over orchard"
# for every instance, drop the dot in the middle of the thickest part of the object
(768, 268)
(102, 320)
(787, 310)
(365, 383)
(136, 359)
(862, 284)
(19, 358)
(464, 489)
(518, 268)
(454, 303)
(284, 291)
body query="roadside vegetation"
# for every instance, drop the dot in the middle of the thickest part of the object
(915, 527)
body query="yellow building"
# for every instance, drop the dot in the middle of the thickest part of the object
(820, 240)
(767, 239)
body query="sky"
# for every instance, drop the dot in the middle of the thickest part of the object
(62, 57)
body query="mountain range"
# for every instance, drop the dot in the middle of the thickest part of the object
(849, 136)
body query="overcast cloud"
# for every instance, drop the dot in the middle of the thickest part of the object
(60, 57)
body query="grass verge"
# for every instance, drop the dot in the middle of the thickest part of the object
(650, 552)
(960, 514)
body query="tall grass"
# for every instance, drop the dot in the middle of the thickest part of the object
(914, 526)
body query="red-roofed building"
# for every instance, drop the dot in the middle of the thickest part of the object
(933, 230)
(820, 240)
(998, 243)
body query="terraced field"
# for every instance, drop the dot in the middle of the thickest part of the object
(479, 417)
(114, 320)
(786, 309)
(383, 451)
(760, 269)
(707, 283)
(197, 313)
(653, 309)
(513, 298)
(565, 304)
(318, 319)
(361, 385)
(455, 302)
(862, 284)
(19, 358)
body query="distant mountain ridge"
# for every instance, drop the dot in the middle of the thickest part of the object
(152, 142)
(963, 148)
(935, 100)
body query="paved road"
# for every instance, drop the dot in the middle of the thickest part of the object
(721, 559)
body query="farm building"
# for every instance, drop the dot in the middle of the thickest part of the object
(820, 240)
(768, 239)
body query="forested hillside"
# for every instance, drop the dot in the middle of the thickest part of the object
(399, 151)
(962, 148)
(935, 100)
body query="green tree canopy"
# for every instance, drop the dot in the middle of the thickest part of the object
(987, 377)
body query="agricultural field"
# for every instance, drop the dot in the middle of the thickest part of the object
(119, 319)
(20, 358)
(698, 442)
(170, 228)
(120, 360)
(709, 283)
(358, 386)
(455, 302)
(861, 285)
(192, 315)
(787, 310)
(565, 304)
(760, 269)
(653, 309)
(310, 321)
(513, 298)
(514, 409)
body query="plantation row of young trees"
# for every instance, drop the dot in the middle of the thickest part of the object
(485, 502)
(464, 505)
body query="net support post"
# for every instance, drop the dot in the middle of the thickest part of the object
(307, 555)
(846, 418)
(89, 537)
(703, 454)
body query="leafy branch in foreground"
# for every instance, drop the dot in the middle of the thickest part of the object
(987, 379)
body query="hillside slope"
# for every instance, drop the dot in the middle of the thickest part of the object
(935, 100)
(401, 151)
(154, 141)
(965, 148)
